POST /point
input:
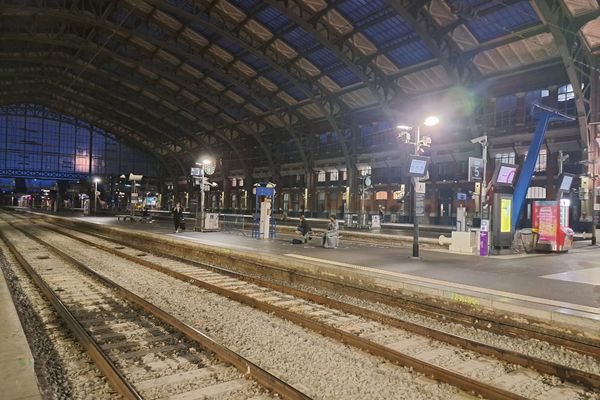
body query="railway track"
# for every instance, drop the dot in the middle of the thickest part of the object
(144, 352)
(448, 358)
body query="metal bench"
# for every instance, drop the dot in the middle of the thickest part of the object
(131, 218)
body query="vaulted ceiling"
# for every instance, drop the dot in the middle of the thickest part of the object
(178, 76)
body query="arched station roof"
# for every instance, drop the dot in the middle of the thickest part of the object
(178, 76)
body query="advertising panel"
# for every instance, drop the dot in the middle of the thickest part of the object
(505, 210)
(547, 221)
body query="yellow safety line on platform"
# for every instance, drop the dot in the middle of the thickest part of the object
(515, 296)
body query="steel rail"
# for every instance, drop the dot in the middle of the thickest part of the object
(543, 366)
(245, 366)
(487, 323)
(103, 362)
(438, 373)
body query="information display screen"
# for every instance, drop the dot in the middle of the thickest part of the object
(418, 166)
(195, 172)
(505, 175)
(565, 183)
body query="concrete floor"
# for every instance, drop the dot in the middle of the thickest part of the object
(17, 376)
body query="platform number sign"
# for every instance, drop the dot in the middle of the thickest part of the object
(475, 169)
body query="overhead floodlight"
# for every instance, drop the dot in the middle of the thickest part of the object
(404, 127)
(431, 121)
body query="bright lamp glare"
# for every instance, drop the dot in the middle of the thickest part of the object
(431, 121)
(206, 162)
(97, 180)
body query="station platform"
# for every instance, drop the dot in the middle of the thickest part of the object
(553, 287)
(17, 376)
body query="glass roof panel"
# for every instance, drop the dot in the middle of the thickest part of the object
(409, 54)
(356, 10)
(205, 32)
(387, 30)
(273, 19)
(254, 61)
(245, 94)
(183, 5)
(245, 5)
(300, 39)
(230, 46)
(343, 76)
(494, 18)
(296, 93)
(276, 77)
(322, 58)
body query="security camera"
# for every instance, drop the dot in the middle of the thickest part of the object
(480, 140)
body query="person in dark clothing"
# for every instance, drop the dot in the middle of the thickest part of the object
(146, 217)
(304, 228)
(177, 216)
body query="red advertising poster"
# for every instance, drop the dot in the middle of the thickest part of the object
(547, 218)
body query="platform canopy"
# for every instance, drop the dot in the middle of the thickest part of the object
(177, 76)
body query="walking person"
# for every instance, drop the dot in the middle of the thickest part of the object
(177, 216)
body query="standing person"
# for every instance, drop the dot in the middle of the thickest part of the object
(330, 238)
(381, 214)
(177, 216)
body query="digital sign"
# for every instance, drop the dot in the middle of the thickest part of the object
(566, 182)
(418, 166)
(505, 174)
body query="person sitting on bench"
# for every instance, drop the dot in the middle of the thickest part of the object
(146, 217)
(331, 237)
(304, 229)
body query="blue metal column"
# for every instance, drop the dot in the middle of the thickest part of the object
(544, 117)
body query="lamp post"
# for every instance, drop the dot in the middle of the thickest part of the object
(200, 207)
(418, 143)
(96, 181)
(592, 200)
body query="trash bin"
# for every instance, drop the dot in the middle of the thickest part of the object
(526, 239)
(348, 220)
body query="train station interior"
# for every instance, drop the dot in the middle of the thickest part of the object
(380, 185)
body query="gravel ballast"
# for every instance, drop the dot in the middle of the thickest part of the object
(320, 367)
(63, 369)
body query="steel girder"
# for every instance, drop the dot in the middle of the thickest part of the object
(135, 108)
(297, 11)
(120, 78)
(566, 35)
(441, 46)
(318, 95)
(202, 93)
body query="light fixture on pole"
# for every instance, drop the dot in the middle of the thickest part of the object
(206, 166)
(96, 181)
(418, 168)
(592, 199)
(483, 141)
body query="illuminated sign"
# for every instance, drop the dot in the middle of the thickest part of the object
(418, 166)
(505, 215)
